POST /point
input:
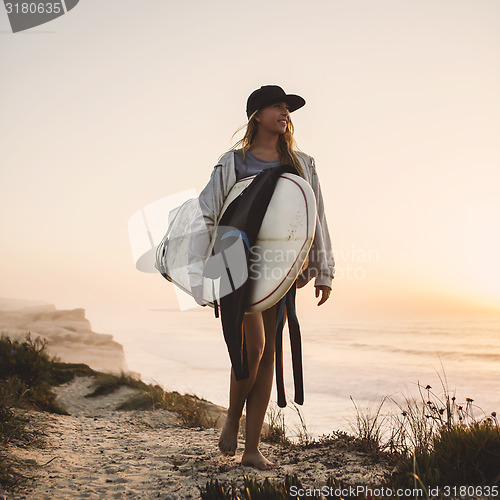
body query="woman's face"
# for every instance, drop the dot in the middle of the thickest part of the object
(274, 118)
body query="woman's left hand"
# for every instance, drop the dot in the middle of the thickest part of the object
(325, 293)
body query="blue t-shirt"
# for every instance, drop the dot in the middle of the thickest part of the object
(252, 166)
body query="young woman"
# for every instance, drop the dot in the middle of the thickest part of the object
(268, 142)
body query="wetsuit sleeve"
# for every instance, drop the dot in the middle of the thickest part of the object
(321, 260)
(211, 200)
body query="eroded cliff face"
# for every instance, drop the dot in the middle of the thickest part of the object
(68, 333)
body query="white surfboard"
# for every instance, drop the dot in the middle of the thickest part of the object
(284, 240)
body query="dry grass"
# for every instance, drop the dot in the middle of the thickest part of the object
(276, 430)
(368, 427)
(193, 411)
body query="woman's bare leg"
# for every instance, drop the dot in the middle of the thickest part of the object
(258, 397)
(239, 390)
(260, 333)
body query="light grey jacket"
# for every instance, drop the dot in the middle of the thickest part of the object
(211, 199)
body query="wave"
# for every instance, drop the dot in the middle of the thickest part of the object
(491, 356)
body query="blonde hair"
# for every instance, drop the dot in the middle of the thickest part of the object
(286, 146)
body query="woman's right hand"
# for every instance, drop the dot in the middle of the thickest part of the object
(197, 292)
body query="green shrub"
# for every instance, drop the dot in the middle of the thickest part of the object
(12, 430)
(28, 360)
(469, 454)
(61, 373)
(436, 440)
(459, 455)
(106, 383)
(443, 443)
(252, 489)
(9, 427)
(26, 375)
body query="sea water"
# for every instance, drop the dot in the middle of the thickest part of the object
(346, 363)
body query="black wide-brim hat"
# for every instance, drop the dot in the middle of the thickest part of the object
(271, 94)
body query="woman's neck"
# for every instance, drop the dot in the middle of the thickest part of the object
(265, 146)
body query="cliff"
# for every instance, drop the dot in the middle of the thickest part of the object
(68, 333)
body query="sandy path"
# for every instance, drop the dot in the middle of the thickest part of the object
(97, 452)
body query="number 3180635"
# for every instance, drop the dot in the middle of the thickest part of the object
(34, 8)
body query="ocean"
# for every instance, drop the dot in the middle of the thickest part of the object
(346, 362)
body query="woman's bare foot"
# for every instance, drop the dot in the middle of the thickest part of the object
(229, 437)
(257, 459)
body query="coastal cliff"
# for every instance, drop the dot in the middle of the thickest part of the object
(68, 334)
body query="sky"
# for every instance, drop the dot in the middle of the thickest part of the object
(119, 103)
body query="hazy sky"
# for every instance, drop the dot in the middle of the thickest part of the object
(119, 103)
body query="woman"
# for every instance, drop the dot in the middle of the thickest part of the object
(268, 142)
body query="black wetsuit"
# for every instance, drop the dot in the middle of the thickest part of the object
(245, 214)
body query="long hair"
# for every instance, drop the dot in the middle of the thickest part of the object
(286, 146)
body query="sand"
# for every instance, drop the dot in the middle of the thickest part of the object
(98, 452)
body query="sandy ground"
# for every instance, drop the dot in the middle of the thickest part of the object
(98, 452)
